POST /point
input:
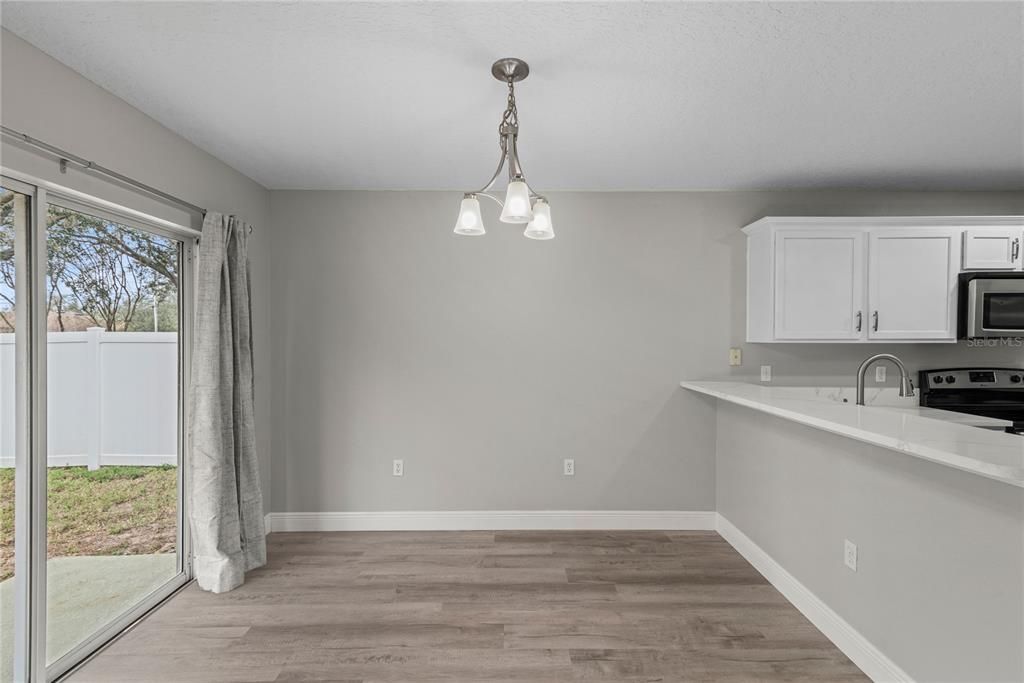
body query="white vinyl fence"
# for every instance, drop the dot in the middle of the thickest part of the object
(112, 398)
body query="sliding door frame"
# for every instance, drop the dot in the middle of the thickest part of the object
(30, 496)
(29, 472)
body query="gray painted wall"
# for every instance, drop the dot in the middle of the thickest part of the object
(484, 362)
(939, 586)
(47, 100)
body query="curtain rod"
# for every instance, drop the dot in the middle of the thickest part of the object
(67, 157)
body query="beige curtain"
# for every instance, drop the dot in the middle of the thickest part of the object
(225, 502)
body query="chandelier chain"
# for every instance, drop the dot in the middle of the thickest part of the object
(511, 116)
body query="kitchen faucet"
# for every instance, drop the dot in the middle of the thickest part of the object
(906, 385)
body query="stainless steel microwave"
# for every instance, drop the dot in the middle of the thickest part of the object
(991, 305)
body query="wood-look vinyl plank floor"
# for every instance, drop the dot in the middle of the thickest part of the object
(536, 606)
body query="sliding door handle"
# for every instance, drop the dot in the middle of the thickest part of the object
(860, 320)
(874, 321)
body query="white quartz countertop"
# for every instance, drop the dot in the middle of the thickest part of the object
(940, 436)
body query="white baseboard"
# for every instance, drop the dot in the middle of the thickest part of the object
(494, 520)
(861, 652)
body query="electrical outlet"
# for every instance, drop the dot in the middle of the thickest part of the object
(879, 373)
(850, 554)
(735, 356)
(766, 373)
(569, 467)
(397, 468)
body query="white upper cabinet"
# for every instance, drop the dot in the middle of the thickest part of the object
(866, 280)
(912, 283)
(993, 248)
(820, 287)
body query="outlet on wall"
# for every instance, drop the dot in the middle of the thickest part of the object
(569, 467)
(735, 356)
(766, 373)
(850, 554)
(398, 468)
(879, 373)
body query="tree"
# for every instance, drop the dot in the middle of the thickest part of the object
(95, 268)
(153, 252)
(7, 282)
(107, 269)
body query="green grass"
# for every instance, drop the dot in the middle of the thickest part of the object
(109, 511)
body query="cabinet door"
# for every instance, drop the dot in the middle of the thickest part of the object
(992, 248)
(912, 283)
(819, 284)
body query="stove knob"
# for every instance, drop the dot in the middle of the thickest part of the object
(1015, 379)
(937, 379)
(950, 379)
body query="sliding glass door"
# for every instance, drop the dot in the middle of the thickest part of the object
(101, 398)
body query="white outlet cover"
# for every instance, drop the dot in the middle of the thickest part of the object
(569, 467)
(398, 468)
(850, 554)
(766, 373)
(735, 356)
(880, 373)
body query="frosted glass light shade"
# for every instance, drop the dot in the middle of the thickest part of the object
(470, 222)
(540, 227)
(517, 203)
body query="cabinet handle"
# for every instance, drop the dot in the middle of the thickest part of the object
(1015, 252)
(860, 319)
(874, 321)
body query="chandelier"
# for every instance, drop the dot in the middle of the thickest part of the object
(522, 204)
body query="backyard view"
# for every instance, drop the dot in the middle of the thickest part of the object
(110, 511)
(99, 274)
(112, 414)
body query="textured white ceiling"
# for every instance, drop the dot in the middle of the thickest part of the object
(622, 95)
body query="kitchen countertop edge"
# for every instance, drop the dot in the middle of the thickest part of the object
(733, 392)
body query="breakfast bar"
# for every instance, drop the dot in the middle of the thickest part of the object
(939, 436)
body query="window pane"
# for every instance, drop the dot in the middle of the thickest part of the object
(112, 428)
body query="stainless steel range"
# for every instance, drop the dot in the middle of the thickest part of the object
(990, 392)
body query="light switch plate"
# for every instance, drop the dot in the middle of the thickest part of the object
(735, 356)
(879, 373)
(766, 373)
